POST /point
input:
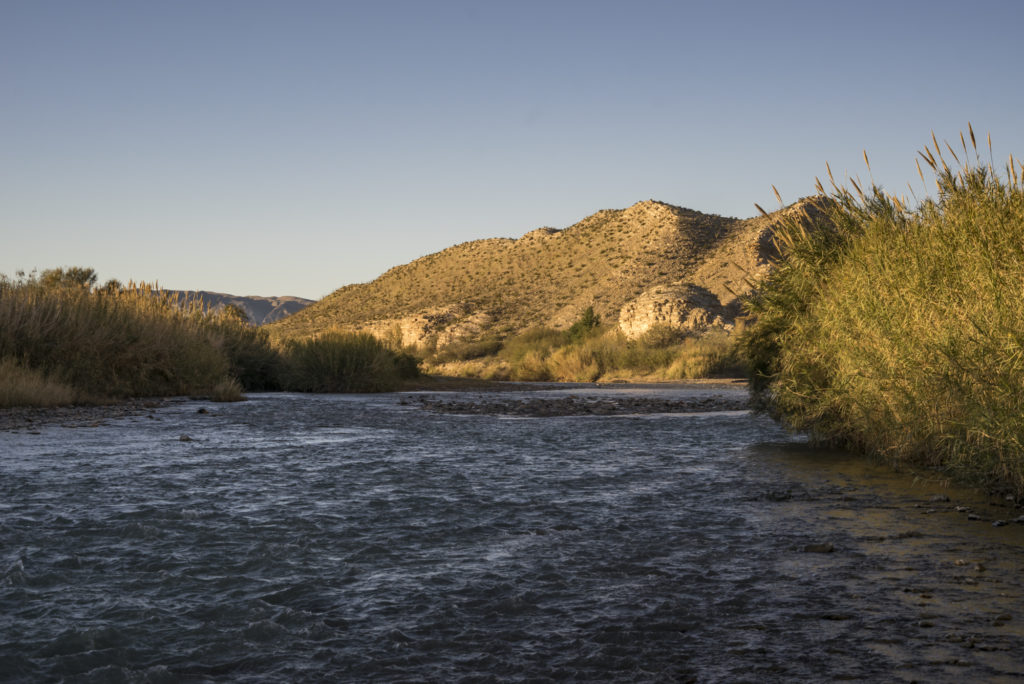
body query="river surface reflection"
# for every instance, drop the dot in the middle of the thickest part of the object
(355, 538)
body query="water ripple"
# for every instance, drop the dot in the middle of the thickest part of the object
(360, 538)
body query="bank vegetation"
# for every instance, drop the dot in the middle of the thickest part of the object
(63, 339)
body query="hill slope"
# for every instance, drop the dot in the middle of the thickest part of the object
(623, 262)
(261, 310)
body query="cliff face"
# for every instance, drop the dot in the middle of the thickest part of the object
(650, 264)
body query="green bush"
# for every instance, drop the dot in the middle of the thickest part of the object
(898, 331)
(584, 326)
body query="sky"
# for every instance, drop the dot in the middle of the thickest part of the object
(289, 148)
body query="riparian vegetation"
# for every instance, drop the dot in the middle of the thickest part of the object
(898, 329)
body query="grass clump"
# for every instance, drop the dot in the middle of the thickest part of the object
(897, 330)
(228, 389)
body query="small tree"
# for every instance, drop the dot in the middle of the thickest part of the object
(583, 326)
(72, 276)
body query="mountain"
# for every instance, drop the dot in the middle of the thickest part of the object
(650, 264)
(261, 310)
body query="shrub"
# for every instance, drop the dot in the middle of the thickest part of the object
(659, 336)
(575, 364)
(532, 367)
(538, 341)
(584, 326)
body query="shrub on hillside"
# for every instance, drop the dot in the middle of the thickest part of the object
(584, 326)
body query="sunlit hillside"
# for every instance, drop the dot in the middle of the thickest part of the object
(547, 277)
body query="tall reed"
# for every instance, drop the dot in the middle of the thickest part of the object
(126, 341)
(898, 330)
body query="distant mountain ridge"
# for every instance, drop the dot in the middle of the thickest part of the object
(649, 264)
(261, 310)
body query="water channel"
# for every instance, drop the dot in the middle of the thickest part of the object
(374, 538)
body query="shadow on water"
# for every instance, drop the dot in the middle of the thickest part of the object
(922, 577)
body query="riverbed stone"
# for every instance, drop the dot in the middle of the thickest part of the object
(820, 547)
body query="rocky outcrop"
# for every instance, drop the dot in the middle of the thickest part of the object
(437, 327)
(711, 296)
(685, 307)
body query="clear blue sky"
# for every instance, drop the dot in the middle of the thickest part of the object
(275, 148)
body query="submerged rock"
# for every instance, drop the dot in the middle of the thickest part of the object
(822, 547)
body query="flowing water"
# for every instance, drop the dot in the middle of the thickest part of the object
(364, 538)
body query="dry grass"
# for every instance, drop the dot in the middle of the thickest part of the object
(227, 390)
(21, 386)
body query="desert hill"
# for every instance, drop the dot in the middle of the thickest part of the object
(652, 263)
(261, 310)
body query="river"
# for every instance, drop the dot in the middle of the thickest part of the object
(374, 538)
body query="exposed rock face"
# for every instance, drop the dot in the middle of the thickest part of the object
(438, 326)
(711, 297)
(686, 307)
